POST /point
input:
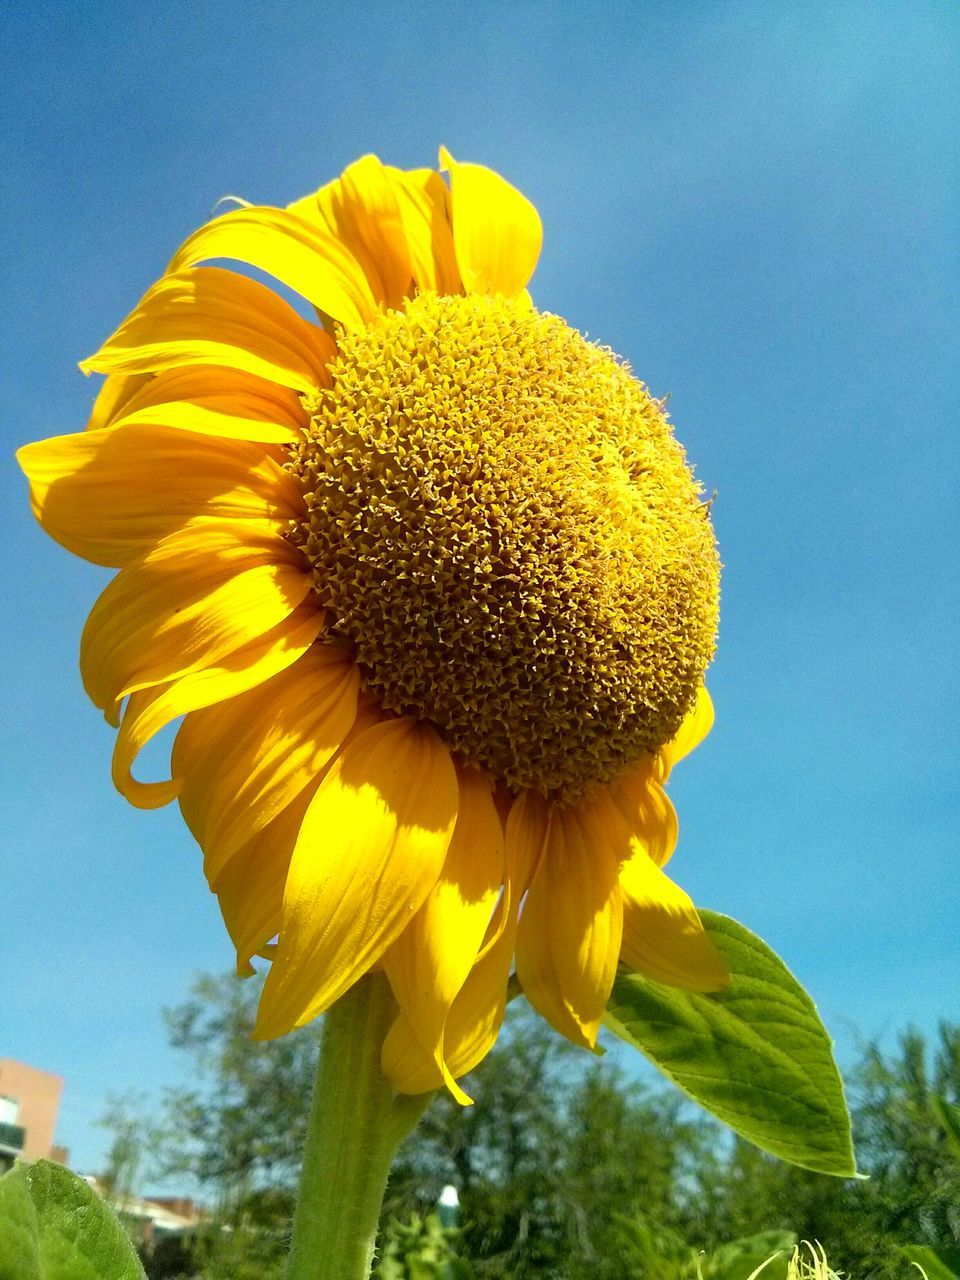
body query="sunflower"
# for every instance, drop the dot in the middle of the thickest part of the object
(433, 589)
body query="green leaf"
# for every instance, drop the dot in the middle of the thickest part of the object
(54, 1227)
(937, 1263)
(19, 1255)
(755, 1055)
(738, 1259)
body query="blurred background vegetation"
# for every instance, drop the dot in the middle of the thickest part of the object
(564, 1168)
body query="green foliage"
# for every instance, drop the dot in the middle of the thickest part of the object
(949, 1117)
(19, 1228)
(241, 1124)
(935, 1264)
(755, 1055)
(53, 1227)
(237, 1249)
(562, 1157)
(557, 1148)
(740, 1258)
(421, 1249)
(650, 1250)
(132, 1139)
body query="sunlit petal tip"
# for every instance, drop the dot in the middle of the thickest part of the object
(663, 936)
(432, 959)
(570, 930)
(370, 849)
(145, 795)
(213, 317)
(270, 1023)
(497, 232)
(302, 255)
(696, 726)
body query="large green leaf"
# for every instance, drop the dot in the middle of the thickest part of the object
(19, 1229)
(937, 1263)
(756, 1055)
(53, 1227)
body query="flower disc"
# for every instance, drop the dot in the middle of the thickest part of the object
(505, 530)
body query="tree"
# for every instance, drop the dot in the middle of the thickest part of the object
(556, 1146)
(566, 1169)
(241, 1124)
(129, 1145)
(912, 1195)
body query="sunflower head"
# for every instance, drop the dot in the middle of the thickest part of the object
(433, 589)
(504, 530)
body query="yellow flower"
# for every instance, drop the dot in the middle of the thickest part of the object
(433, 587)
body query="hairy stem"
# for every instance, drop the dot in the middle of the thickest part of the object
(356, 1124)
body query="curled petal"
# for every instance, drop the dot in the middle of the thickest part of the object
(570, 928)
(370, 849)
(424, 202)
(662, 934)
(475, 1017)
(430, 961)
(497, 232)
(230, 403)
(116, 390)
(250, 887)
(150, 710)
(209, 316)
(300, 254)
(649, 812)
(360, 208)
(696, 725)
(111, 496)
(199, 595)
(243, 762)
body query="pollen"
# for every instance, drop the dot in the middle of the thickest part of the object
(506, 533)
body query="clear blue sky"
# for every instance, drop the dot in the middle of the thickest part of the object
(756, 204)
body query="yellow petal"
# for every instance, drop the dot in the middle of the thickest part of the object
(361, 211)
(250, 887)
(216, 401)
(648, 811)
(430, 961)
(199, 595)
(475, 1017)
(696, 725)
(245, 761)
(424, 202)
(497, 232)
(214, 317)
(662, 934)
(110, 495)
(370, 849)
(149, 710)
(568, 942)
(300, 254)
(228, 412)
(112, 396)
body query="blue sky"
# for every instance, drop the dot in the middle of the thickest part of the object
(756, 204)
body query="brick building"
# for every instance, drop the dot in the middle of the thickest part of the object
(29, 1102)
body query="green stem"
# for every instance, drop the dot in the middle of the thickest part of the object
(356, 1124)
